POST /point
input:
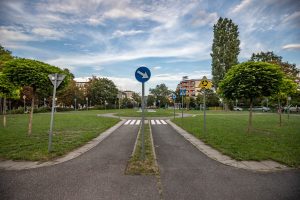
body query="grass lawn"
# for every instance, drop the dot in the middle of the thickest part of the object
(227, 132)
(134, 113)
(135, 165)
(71, 130)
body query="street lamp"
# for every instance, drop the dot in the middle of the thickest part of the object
(44, 102)
(24, 97)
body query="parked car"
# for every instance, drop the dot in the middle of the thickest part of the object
(292, 108)
(236, 108)
(261, 108)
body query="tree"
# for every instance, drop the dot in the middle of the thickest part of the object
(5, 56)
(25, 72)
(150, 100)
(161, 92)
(69, 93)
(250, 80)
(137, 98)
(7, 90)
(289, 69)
(101, 90)
(225, 48)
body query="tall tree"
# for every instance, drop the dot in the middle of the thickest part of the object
(25, 72)
(69, 93)
(101, 90)
(161, 92)
(251, 80)
(289, 69)
(5, 55)
(225, 48)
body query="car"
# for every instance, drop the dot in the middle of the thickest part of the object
(236, 108)
(260, 108)
(292, 108)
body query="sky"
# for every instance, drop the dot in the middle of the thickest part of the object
(173, 38)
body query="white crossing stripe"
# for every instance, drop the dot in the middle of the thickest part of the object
(157, 121)
(133, 121)
(128, 121)
(152, 122)
(138, 122)
(163, 121)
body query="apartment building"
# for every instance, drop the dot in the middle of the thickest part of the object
(191, 86)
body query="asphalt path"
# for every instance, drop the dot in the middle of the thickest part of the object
(186, 173)
(96, 174)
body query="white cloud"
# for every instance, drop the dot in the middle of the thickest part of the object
(48, 33)
(119, 33)
(291, 46)
(243, 5)
(12, 34)
(156, 68)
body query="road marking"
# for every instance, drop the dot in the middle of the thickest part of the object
(163, 121)
(126, 123)
(152, 122)
(133, 121)
(157, 121)
(138, 122)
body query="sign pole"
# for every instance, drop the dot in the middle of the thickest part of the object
(143, 120)
(182, 106)
(204, 119)
(174, 109)
(52, 114)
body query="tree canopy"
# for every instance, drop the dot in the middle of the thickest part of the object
(101, 90)
(252, 80)
(289, 69)
(225, 48)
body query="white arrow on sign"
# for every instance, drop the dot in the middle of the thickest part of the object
(144, 75)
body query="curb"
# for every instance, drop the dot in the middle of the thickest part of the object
(262, 166)
(21, 165)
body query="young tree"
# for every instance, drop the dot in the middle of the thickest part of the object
(32, 73)
(250, 80)
(225, 48)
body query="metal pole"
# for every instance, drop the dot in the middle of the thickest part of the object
(75, 103)
(174, 109)
(119, 108)
(52, 114)
(204, 106)
(182, 106)
(143, 119)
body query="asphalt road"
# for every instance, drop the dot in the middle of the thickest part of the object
(97, 174)
(186, 173)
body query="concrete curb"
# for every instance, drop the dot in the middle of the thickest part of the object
(20, 165)
(262, 166)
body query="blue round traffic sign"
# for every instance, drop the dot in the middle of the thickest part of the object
(142, 74)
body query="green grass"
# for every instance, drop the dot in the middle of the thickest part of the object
(135, 165)
(228, 134)
(134, 113)
(71, 130)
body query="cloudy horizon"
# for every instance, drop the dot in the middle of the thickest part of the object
(173, 38)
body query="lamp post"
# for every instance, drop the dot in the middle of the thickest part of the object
(24, 98)
(44, 102)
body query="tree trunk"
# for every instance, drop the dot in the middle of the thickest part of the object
(250, 116)
(4, 112)
(31, 113)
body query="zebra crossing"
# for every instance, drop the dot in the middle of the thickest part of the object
(134, 122)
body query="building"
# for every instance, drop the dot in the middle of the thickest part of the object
(129, 94)
(191, 86)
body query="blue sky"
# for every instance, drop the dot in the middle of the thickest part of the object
(111, 38)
